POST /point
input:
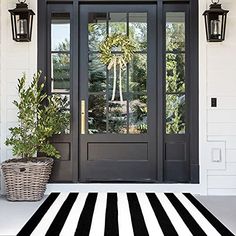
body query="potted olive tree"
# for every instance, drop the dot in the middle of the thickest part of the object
(39, 117)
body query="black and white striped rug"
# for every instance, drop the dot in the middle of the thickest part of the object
(122, 214)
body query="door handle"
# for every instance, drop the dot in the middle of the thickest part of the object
(82, 116)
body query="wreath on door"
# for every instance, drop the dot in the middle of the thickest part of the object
(126, 48)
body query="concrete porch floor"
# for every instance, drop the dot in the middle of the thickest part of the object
(13, 215)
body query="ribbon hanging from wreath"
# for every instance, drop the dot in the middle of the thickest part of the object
(112, 60)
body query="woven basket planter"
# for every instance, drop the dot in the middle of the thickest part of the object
(26, 181)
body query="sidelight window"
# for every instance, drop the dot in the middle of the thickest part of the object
(60, 56)
(175, 73)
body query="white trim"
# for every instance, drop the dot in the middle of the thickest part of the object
(202, 100)
(91, 187)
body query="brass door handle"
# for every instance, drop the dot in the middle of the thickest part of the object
(82, 116)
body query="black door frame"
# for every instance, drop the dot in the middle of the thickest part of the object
(193, 64)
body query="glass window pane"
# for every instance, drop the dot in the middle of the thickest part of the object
(175, 114)
(97, 29)
(96, 74)
(119, 80)
(138, 73)
(60, 69)
(60, 32)
(117, 23)
(175, 31)
(138, 30)
(66, 110)
(175, 72)
(97, 114)
(138, 114)
(117, 112)
(66, 99)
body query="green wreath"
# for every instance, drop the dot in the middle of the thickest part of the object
(117, 40)
(110, 59)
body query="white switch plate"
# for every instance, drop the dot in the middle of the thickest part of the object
(216, 154)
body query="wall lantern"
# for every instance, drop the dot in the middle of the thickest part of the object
(21, 22)
(215, 22)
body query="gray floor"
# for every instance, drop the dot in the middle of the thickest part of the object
(13, 215)
(223, 207)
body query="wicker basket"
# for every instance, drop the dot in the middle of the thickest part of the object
(26, 181)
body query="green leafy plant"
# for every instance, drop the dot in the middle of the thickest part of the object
(40, 116)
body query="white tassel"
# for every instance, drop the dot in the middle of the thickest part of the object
(113, 63)
(121, 63)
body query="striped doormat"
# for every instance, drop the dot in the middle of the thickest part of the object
(122, 214)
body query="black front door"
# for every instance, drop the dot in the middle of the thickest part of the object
(118, 111)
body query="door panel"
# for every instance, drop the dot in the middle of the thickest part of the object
(118, 135)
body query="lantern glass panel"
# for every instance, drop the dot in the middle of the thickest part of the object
(216, 25)
(21, 26)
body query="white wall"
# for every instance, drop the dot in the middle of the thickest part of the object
(217, 79)
(16, 58)
(221, 121)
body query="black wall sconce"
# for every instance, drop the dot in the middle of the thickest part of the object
(22, 22)
(215, 22)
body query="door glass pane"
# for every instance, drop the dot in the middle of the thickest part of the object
(61, 60)
(97, 114)
(138, 29)
(117, 96)
(117, 23)
(60, 32)
(60, 69)
(97, 73)
(117, 117)
(97, 29)
(175, 114)
(175, 31)
(138, 114)
(175, 73)
(123, 81)
(138, 73)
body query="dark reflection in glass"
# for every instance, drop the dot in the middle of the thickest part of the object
(96, 30)
(97, 114)
(138, 73)
(138, 30)
(97, 74)
(138, 114)
(175, 73)
(117, 120)
(60, 32)
(175, 31)
(117, 23)
(175, 114)
(60, 69)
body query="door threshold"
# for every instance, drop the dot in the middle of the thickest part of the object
(126, 187)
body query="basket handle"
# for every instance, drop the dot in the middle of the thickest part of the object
(21, 169)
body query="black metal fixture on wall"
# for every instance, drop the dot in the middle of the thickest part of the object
(22, 22)
(215, 22)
